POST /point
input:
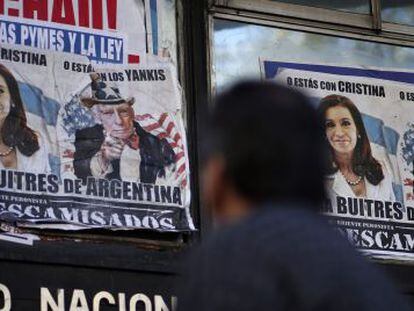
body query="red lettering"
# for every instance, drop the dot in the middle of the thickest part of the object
(97, 19)
(61, 6)
(13, 12)
(63, 12)
(30, 6)
(112, 13)
(83, 7)
(1, 7)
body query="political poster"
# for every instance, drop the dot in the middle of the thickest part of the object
(99, 29)
(91, 129)
(369, 127)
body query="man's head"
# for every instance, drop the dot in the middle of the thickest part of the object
(264, 144)
(117, 120)
(109, 108)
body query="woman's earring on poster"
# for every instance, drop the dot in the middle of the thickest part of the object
(359, 136)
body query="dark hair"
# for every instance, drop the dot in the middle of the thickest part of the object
(363, 163)
(15, 132)
(271, 140)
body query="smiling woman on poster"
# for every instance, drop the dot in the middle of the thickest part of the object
(20, 146)
(353, 171)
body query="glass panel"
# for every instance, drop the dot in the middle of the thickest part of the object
(398, 11)
(237, 48)
(355, 6)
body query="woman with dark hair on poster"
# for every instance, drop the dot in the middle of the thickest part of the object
(352, 170)
(20, 146)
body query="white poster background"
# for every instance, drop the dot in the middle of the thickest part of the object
(395, 113)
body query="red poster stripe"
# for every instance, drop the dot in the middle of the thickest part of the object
(142, 117)
(181, 169)
(133, 59)
(170, 127)
(152, 127)
(13, 12)
(177, 137)
(179, 155)
(162, 118)
(162, 135)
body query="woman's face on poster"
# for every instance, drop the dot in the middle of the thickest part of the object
(341, 130)
(4, 99)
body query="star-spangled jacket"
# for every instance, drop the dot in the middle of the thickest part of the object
(155, 154)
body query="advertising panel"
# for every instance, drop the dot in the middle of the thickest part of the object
(368, 121)
(91, 129)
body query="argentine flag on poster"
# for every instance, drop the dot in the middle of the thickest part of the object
(40, 105)
(42, 113)
(386, 116)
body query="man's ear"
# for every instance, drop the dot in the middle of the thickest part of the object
(214, 185)
(132, 111)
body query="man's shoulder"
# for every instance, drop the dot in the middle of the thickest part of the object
(275, 219)
(284, 235)
(284, 245)
(149, 140)
(141, 132)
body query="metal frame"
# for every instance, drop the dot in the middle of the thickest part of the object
(195, 79)
(366, 27)
(307, 19)
(143, 251)
(376, 15)
(326, 22)
(315, 27)
(296, 11)
(306, 15)
(194, 24)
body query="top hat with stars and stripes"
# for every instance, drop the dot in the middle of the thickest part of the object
(104, 93)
